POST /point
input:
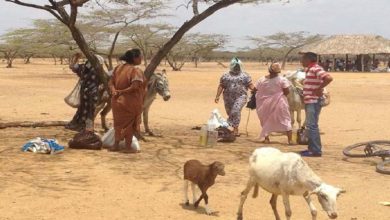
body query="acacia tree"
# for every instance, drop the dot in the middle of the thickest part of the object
(115, 20)
(198, 17)
(148, 38)
(66, 11)
(289, 41)
(193, 47)
(204, 44)
(14, 45)
(69, 17)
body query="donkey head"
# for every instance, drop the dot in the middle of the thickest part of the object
(161, 85)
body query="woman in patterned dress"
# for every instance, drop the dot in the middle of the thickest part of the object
(234, 86)
(89, 94)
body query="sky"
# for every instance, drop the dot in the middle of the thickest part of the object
(239, 21)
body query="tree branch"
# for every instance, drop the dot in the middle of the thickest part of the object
(46, 8)
(182, 30)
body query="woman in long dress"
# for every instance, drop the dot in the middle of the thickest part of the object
(234, 85)
(90, 91)
(128, 89)
(272, 105)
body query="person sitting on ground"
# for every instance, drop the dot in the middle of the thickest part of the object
(234, 85)
(272, 105)
(90, 88)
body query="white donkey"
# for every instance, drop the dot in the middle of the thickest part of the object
(294, 97)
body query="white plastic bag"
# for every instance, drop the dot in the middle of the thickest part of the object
(216, 120)
(108, 140)
(73, 99)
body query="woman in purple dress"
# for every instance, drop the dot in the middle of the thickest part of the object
(234, 86)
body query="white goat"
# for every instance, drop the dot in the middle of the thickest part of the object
(287, 174)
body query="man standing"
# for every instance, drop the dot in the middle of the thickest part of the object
(313, 86)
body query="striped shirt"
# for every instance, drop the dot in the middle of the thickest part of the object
(314, 78)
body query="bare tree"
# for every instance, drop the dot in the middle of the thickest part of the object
(289, 41)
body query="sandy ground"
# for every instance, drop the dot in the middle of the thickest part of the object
(81, 184)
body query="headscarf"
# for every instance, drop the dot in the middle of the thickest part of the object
(235, 61)
(274, 68)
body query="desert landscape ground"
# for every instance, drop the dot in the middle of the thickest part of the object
(81, 184)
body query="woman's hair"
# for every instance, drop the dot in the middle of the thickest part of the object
(130, 55)
(274, 68)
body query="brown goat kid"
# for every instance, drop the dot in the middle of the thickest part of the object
(202, 175)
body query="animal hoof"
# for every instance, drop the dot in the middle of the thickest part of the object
(239, 217)
(187, 203)
(196, 205)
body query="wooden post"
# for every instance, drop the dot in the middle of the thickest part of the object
(362, 61)
(346, 63)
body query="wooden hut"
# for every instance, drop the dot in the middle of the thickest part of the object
(359, 45)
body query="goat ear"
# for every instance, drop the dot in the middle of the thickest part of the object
(315, 191)
(342, 191)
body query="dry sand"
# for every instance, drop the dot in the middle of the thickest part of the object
(81, 184)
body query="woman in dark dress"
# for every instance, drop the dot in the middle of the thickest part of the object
(89, 94)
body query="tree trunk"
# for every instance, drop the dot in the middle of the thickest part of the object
(111, 52)
(27, 59)
(55, 59)
(32, 124)
(83, 45)
(9, 62)
(196, 60)
(61, 61)
(163, 51)
(286, 56)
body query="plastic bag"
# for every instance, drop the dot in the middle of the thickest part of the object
(73, 99)
(43, 146)
(216, 120)
(302, 138)
(108, 140)
(86, 140)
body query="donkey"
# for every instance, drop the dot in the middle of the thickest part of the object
(158, 84)
(294, 97)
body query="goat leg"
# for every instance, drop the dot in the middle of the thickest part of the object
(313, 209)
(206, 200)
(251, 183)
(186, 200)
(196, 204)
(286, 202)
(273, 203)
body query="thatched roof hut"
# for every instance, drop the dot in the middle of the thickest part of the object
(350, 44)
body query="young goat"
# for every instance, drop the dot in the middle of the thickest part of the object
(287, 174)
(203, 176)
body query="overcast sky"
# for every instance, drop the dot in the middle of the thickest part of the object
(315, 16)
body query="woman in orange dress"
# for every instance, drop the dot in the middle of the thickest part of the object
(128, 89)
